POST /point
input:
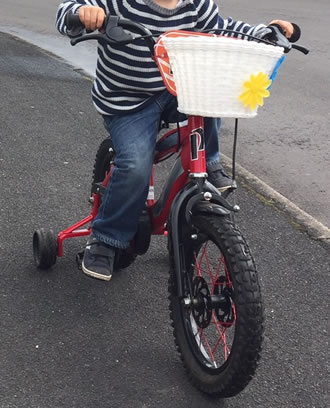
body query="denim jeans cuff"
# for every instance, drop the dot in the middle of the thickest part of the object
(110, 241)
(210, 163)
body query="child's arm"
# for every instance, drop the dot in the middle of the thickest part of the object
(91, 13)
(209, 18)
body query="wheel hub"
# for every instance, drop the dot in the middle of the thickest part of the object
(226, 311)
(202, 310)
(221, 301)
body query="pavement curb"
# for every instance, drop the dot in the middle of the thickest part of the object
(315, 229)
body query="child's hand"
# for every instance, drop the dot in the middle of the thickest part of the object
(92, 17)
(286, 27)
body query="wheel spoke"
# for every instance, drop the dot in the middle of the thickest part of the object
(216, 276)
(220, 263)
(222, 332)
(205, 322)
(218, 273)
(204, 257)
(208, 265)
(198, 264)
(198, 334)
(209, 348)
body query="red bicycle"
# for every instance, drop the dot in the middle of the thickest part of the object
(214, 294)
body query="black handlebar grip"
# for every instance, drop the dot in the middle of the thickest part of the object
(74, 25)
(73, 21)
(296, 33)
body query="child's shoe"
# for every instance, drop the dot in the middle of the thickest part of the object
(218, 177)
(98, 259)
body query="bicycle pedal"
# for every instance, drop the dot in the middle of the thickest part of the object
(79, 258)
(98, 188)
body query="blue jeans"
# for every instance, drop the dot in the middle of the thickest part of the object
(134, 138)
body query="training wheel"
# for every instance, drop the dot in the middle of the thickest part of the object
(44, 248)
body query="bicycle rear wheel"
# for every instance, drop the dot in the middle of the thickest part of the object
(218, 325)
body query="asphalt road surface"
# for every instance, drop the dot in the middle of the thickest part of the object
(69, 341)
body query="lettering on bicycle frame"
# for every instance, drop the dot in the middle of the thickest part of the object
(197, 143)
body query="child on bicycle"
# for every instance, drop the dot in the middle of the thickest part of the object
(129, 93)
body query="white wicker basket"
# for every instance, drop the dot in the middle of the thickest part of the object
(209, 72)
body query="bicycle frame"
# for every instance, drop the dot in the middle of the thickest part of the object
(190, 164)
(191, 148)
(214, 294)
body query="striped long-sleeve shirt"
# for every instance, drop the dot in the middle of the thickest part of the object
(126, 76)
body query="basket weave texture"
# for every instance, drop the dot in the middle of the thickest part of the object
(210, 71)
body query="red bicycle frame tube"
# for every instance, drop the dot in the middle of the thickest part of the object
(193, 163)
(193, 146)
(77, 230)
(192, 160)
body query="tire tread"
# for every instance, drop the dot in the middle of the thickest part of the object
(249, 329)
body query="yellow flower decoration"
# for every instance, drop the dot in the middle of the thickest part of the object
(256, 90)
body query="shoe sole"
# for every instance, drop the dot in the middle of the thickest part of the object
(95, 274)
(222, 189)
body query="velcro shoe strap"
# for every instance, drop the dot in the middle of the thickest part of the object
(98, 249)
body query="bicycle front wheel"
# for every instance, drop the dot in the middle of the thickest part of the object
(218, 325)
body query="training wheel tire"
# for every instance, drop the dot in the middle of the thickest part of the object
(44, 248)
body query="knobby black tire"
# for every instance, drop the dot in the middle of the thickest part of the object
(103, 161)
(44, 248)
(237, 371)
(104, 157)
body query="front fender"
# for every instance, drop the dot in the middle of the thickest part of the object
(208, 207)
(174, 224)
(188, 202)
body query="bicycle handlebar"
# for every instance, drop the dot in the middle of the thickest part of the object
(113, 33)
(276, 35)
